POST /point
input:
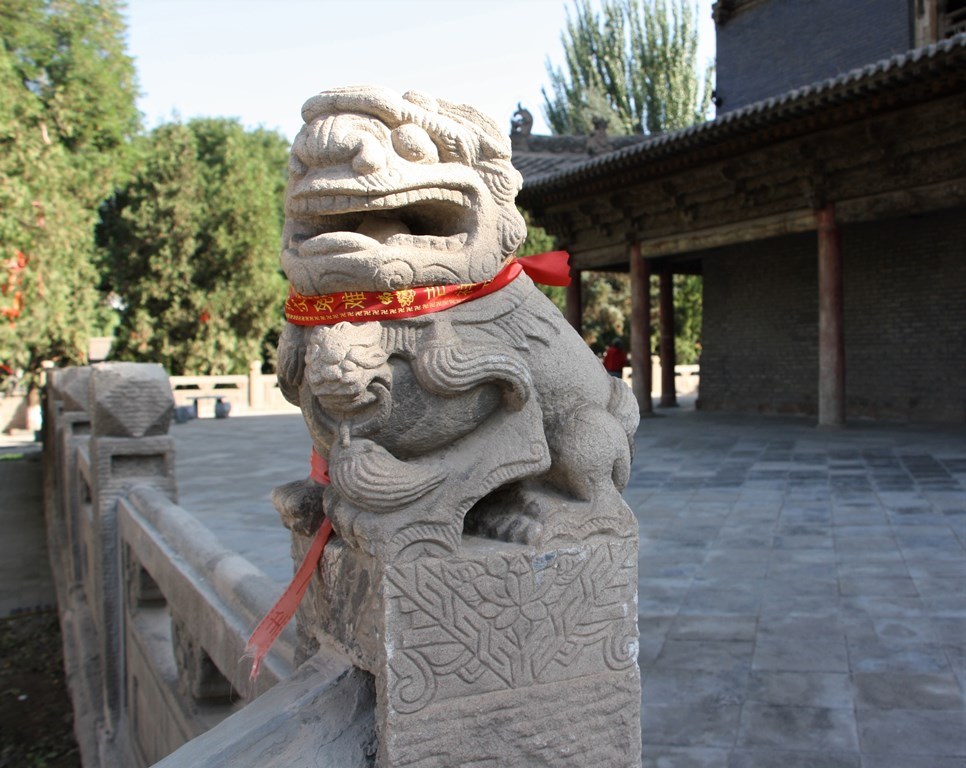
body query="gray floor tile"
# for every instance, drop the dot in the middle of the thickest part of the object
(891, 760)
(874, 653)
(683, 757)
(780, 605)
(688, 725)
(706, 655)
(741, 758)
(878, 585)
(736, 627)
(798, 653)
(912, 732)
(695, 687)
(831, 690)
(739, 599)
(895, 570)
(884, 605)
(797, 728)
(906, 690)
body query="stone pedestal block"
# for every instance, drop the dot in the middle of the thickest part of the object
(498, 655)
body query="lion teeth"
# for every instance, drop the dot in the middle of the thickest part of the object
(434, 242)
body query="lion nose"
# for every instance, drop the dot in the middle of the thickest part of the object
(370, 155)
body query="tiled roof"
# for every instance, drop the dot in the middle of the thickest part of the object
(544, 155)
(537, 164)
(921, 66)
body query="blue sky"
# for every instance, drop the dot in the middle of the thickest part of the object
(259, 60)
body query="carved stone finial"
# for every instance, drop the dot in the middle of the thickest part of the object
(522, 122)
(130, 400)
(599, 142)
(73, 386)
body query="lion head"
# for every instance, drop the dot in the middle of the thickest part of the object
(389, 192)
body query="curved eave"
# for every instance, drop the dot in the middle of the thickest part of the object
(923, 73)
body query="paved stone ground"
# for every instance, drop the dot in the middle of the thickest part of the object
(226, 470)
(802, 592)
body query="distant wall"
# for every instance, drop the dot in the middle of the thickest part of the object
(13, 412)
(759, 341)
(905, 322)
(905, 318)
(774, 46)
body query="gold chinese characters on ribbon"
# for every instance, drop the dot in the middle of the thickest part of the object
(361, 306)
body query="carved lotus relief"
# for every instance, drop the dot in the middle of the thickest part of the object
(511, 620)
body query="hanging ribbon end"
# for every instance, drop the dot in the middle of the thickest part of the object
(549, 268)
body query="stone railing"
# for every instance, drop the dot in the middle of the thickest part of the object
(686, 377)
(254, 392)
(155, 612)
(492, 653)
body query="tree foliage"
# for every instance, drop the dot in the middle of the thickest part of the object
(688, 316)
(67, 116)
(606, 300)
(189, 248)
(634, 64)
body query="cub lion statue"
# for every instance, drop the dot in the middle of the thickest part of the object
(445, 392)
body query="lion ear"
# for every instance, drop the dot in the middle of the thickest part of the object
(502, 179)
(513, 230)
(291, 362)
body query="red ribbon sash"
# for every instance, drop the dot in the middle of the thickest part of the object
(549, 268)
(280, 614)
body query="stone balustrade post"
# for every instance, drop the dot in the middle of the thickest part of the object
(130, 407)
(69, 427)
(256, 392)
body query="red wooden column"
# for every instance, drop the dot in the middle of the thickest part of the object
(641, 329)
(831, 334)
(573, 300)
(669, 398)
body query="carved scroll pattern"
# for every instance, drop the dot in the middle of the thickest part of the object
(510, 621)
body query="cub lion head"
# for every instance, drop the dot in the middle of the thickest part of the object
(389, 192)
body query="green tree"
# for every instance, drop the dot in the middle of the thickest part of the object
(687, 318)
(606, 299)
(67, 115)
(633, 64)
(540, 241)
(190, 247)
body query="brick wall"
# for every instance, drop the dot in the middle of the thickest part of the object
(759, 345)
(778, 45)
(905, 318)
(905, 322)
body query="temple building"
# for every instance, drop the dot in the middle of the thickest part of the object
(824, 208)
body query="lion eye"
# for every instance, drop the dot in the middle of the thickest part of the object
(413, 143)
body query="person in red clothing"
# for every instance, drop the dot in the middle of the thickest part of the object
(615, 358)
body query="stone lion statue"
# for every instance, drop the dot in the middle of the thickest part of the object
(446, 392)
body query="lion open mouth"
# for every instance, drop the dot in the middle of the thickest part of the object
(332, 223)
